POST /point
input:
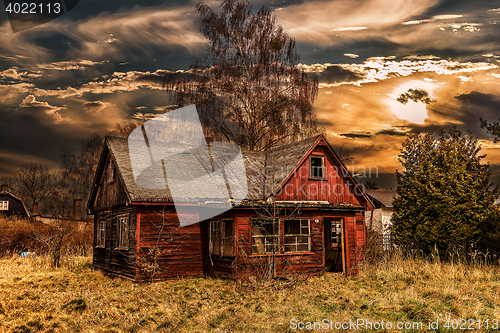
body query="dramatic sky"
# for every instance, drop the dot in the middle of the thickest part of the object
(102, 63)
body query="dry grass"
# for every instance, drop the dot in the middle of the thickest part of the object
(74, 298)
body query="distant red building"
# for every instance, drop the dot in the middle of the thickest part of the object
(304, 214)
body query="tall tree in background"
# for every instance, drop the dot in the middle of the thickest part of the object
(34, 183)
(492, 128)
(445, 194)
(78, 169)
(248, 89)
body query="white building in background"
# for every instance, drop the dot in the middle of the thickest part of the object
(379, 219)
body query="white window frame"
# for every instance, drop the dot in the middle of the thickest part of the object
(322, 167)
(269, 243)
(4, 205)
(296, 240)
(101, 233)
(122, 235)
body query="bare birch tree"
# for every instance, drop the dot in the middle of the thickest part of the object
(249, 88)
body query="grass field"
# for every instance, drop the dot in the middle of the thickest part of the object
(74, 298)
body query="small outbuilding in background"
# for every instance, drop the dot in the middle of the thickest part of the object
(11, 204)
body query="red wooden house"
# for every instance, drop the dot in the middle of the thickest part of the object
(304, 214)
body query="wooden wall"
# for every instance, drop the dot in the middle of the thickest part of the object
(183, 251)
(112, 261)
(335, 188)
(15, 206)
(245, 264)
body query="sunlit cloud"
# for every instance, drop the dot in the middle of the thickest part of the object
(351, 55)
(30, 102)
(69, 65)
(446, 17)
(374, 70)
(117, 82)
(319, 21)
(127, 34)
(350, 28)
(95, 107)
(8, 92)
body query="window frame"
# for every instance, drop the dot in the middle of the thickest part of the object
(122, 234)
(218, 236)
(111, 171)
(101, 234)
(277, 234)
(339, 233)
(297, 236)
(4, 205)
(322, 167)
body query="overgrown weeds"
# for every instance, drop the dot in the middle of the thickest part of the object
(38, 298)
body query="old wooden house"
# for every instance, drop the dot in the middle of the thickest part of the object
(304, 214)
(11, 204)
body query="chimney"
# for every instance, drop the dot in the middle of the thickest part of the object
(5, 187)
(34, 211)
(77, 209)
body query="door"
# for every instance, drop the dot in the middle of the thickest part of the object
(334, 244)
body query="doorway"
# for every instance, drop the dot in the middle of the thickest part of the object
(334, 244)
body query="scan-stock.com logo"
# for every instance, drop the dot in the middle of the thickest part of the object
(170, 153)
(28, 14)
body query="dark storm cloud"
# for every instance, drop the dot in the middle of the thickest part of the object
(416, 95)
(336, 74)
(391, 132)
(356, 135)
(480, 99)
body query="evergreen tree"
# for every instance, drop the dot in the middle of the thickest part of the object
(446, 197)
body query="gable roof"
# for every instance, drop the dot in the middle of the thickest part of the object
(382, 198)
(15, 197)
(266, 171)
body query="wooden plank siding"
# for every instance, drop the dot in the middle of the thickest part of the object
(335, 188)
(111, 260)
(182, 251)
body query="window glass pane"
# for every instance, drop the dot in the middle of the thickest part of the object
(292, 227)
(215, 237)
(123, 232)
(228, 238)
(316, 167)
(336, 232)
(297, 236)
(265, 236)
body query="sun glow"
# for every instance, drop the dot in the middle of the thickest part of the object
(414, 112)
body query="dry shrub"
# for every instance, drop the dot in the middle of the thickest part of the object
(26, 235)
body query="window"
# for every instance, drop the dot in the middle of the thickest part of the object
(111, 171)
(221, 237)
(297, 235)
(122, 232)
(4, 205)
(265, 236)
(318, 167)
(101, 233)
(336, 232)
(215, 237)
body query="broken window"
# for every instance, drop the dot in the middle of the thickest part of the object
(221, 238)
(101, 233)
(297, 235)
(4, 205)
(265, 236)
(336, 232)
(318, 167)
(122, 232)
